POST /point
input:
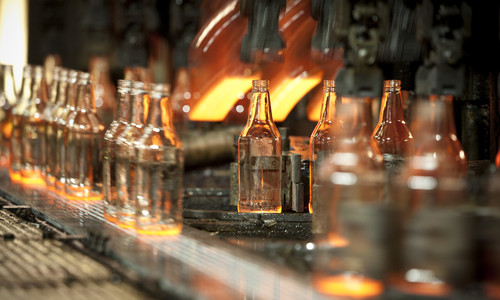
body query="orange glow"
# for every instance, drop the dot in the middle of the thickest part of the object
(110, 218)
(288, 92)
(83, 194)
(126, 225)
(336, 240)
(14, 176)
(32, 178)
(163, 230)
(50, 182)
(492, 291)
(219, 100)
(423, 288)
(346, 285)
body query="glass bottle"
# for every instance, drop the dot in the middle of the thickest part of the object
(430, 195)
(324, 136)
(259, 156)
(50, 136)
(125, 155)
(393, 137)
(438, 142)
(104, 90)
(84, 134)
(67, 107)
(52, 167)
(17, 113)
(351, 219)
(116, 128)
(159, 169)
(7, 103)
(33, 132)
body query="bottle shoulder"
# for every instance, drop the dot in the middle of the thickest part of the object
(260, 130)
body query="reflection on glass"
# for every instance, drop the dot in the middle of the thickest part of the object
(125, 156)
(259, 156)
(116, 128)
(159, 169)
(7, 103)
(84, 134)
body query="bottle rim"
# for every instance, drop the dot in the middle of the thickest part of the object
(260, 83)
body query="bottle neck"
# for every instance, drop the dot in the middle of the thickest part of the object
(260, 110)
(54, 89)
(137, 109)
(123, 109)
(61, 93)
(443, 118)
(329, 105)
(39, 91)
(71, 95)
(85, 100)
(392, 106)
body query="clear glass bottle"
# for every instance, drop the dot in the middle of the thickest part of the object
(116, 128)
(430, 194)
(17, 113)
(33, 132)
(67, 107)
(7, 102)
(52, 160)
(84, 134)
(391, 133)
(259, 156)
(324, 136)
(104, 90)
(50, 136)
(351, 219)
(126, 160)
(159, 169)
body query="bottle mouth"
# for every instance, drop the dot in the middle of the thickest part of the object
(392, 85)
(260, 84)
(329, 84)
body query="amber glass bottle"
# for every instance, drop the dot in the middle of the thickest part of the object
(21, 106)
(33, 132)
(84, 134)
(324, 136)
(62, 117)
(7, 103)
(126, 160)
(116, 128)
(259, 156)
(50, 136)
(159, 169)
(350, 215)
(391, 133)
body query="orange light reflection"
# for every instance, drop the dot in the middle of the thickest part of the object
(348, 285)
(285, 96)
(160, 230)
(219, 100)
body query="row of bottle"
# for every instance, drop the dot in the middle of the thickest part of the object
(54, 133)
(143, 161)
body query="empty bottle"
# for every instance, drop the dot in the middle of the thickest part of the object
(324, 136)
(17, 113)
(430, 195)
(351, 220)
(69, 105)
(159, 169)
(84, 134)
(126, 160)
(50, 135)
(392, 135)
(116, 128)
(259, 156)
(33, 132)
(7, 103)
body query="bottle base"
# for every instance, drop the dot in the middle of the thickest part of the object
(259, 209)
(83, 193)
(348, 285)
(32, 178)
(159, 229)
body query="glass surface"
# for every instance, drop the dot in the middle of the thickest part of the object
(116, 128)
(33, 132)
(259, 156)
(62, 118)
(84, 134)
(126, 160)
(323, 140)
(7, 103)
(159, 169)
